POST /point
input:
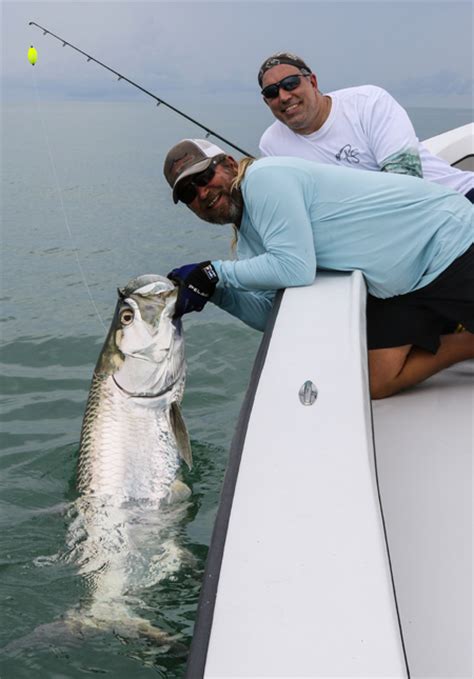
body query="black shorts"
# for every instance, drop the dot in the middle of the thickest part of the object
(421, 317)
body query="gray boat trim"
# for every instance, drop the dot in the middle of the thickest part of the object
(385, 535)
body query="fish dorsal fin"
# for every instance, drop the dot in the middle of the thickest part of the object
(181, 434)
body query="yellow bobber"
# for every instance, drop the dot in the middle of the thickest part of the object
(32, 55)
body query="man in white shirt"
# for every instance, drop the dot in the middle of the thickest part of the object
(358, 127)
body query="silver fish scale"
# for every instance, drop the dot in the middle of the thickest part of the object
(127, 449)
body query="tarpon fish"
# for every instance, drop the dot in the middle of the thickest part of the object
(126, 520)
(133, 440)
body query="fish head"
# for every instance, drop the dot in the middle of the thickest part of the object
(144, 349)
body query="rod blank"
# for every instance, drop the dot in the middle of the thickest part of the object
(142, 89)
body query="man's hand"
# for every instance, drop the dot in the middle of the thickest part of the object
(197, 283)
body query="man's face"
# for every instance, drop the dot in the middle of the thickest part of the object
(215, 202)
(297, 109)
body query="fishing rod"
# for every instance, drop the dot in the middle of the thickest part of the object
(139, 87)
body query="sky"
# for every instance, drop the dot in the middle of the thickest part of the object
(421, 51)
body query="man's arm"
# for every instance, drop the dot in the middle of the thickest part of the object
(391, 135)
(251, 307)
(403, 162)
(275, 202)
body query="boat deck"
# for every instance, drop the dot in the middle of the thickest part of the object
(424, 442)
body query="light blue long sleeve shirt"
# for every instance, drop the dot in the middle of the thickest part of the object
(299, 216)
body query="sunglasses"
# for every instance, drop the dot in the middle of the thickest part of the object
(291, 82)
(187, 189)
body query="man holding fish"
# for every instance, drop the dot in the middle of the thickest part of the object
(412, 240)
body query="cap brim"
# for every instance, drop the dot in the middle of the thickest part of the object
(194, 169)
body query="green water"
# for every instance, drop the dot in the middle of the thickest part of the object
(107, 163)
(95, 170)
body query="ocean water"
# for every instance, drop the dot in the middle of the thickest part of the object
(84, 203)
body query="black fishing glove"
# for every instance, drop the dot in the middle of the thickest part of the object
(197, 283)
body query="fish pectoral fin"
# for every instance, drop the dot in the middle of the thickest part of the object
(181, 433)
(161, 638)
(178, 492)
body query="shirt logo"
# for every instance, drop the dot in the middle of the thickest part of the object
(348, 154)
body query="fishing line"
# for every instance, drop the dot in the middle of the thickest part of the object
(63, 207)
(159, 101)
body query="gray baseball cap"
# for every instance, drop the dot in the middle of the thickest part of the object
(186, 158)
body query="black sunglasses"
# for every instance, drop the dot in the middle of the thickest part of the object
(187, 188)
(291, 82)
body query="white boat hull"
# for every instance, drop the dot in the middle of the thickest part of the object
(332, 556)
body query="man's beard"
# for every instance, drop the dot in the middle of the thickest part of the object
(233, 213)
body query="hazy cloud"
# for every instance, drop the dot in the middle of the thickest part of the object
(414, 48)
(443, 83)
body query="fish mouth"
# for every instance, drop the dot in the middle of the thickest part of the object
(145, 396)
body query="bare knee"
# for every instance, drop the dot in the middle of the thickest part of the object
(385, 366)
(382, 389)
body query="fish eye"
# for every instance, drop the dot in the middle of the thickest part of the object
(126, 316)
